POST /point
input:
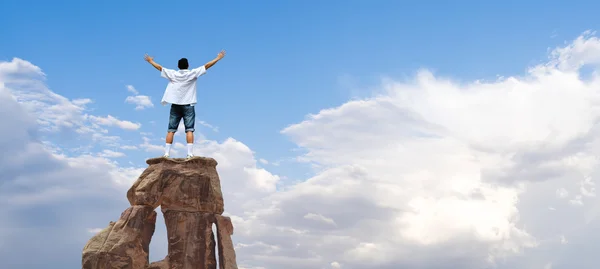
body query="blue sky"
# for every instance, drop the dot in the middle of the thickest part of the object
(285, 58)
(359, 67)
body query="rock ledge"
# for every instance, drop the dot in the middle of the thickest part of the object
(195, 159)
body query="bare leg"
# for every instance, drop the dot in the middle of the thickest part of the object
(170, 137)
(189, 136)
(189, 118)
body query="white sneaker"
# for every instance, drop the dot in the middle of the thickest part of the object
(166, 156)
(190, 156)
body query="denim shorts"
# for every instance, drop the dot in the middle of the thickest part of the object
(186, 112)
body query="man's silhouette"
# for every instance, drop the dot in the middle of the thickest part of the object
(181, 94)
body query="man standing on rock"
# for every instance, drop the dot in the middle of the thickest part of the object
(181, 94)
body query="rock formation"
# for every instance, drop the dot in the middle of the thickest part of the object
(189, 194)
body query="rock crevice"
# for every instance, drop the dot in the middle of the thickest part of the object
(190, 197)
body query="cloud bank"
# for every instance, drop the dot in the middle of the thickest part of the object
(429, 173)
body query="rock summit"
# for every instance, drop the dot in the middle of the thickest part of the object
(189, 194)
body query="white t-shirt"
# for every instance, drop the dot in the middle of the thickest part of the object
(181, 89)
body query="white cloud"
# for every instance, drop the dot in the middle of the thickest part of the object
(140, 101)
(17, 66)
(128, 147)
(81, 102)
(563, 239)
(94, 230)
(238, 162)
(178, 145)
(57, 117)
(149, 147)
(320, 218)
(208, 125)
(562, 193)
(43, 192)
(131, 89)
(431, 172)
(54, 112)
(111, 154)
(113, 121)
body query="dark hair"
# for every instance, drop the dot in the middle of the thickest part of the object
(183, 63)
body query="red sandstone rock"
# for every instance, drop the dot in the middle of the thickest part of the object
(189, 194)
(191, 240)
(179, 184)
(226, 250)
(123, 244)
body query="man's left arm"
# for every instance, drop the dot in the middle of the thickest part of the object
(215, 60)
(150, 59)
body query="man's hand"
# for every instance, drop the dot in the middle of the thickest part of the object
(150, 59)
(213, 62)
(221, 55)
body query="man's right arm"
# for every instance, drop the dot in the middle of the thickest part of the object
(150, 60)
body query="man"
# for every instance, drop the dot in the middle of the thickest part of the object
(181, 94)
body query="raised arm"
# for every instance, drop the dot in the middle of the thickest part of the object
(150, 59)
(215, 60)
